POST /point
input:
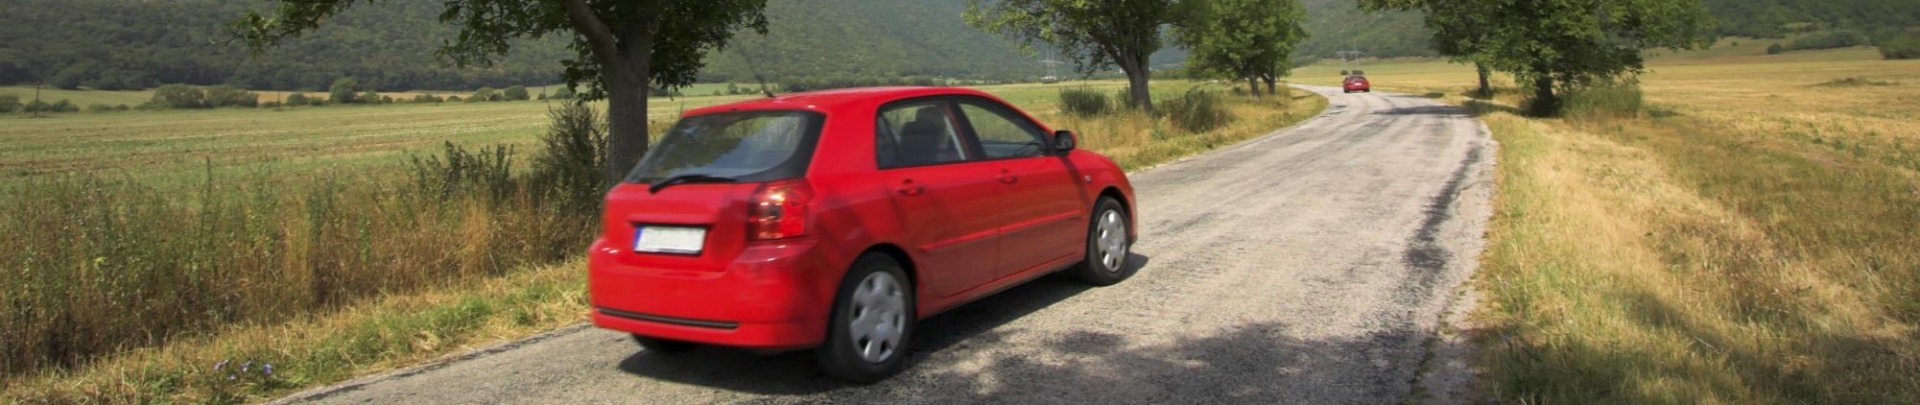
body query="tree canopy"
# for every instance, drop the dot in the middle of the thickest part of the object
(1559, 44)
(1095, 34)
(622, 48)
(1240, 39)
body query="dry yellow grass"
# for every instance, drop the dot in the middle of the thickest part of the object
(1750, 239)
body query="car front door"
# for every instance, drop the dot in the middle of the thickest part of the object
(1041, 207)
(944, 195)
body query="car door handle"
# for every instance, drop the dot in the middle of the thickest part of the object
(907, 188)
(1007, 177)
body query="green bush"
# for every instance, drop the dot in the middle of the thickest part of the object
(515, 93)
(342, 91)
(1617, 99)
(1902, 47)
(1776, 49)
(484, 94)
(99, 108)
(564, 93)
(121, 107)
(570, 167)
(1196, 111)
(369, 97)
(9, 103)
(425, 98)
(270, 104)
(1828, 40)
(227, 96)
(453, 98)
(1084, 102)
(179, 96)
(297, 99)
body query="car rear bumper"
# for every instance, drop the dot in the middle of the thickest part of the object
(766, 299)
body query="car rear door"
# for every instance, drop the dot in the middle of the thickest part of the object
(1041, 205)
(943, 195)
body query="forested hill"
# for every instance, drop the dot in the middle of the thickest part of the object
(1338, 23)
(125, 44)
(390, 45)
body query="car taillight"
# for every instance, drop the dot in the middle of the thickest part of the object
(779, 211)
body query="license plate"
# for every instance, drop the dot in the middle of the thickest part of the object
(669, 239)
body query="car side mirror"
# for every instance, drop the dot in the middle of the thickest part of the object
(1063, 141)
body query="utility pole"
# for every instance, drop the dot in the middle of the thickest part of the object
(1052, 74)
(36, 100)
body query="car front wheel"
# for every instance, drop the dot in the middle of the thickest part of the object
(871, 323)
(1107, 245)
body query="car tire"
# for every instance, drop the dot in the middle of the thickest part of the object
(1108, 245)
(663, 346)
(871, 322)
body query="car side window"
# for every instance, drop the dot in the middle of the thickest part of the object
(917, 134)
(1003, 133)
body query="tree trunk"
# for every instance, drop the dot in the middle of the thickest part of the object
(1486, 89)
(1271, 90)
(1137, 78)
(625, 58)
(1253, 86)
(1544, 101)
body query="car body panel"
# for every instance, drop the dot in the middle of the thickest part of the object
(967, 231)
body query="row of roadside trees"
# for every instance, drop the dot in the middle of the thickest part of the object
(626, 49)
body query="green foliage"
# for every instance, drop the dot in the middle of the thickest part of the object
(1339, 24)
(1776, 49)
(453, 98)
(9, 103)
(1828, 40)
(1081, 102)
(226, 96)
(1240, 39)
(297, 99)
(425, 98)
(369, 97)
(484, 94)
(571, 161)
(514, 93)
(1094, 34)
(98, 108)
(179, 96)
(1197, 111)
(343, 91)
(1902, 47)
(1556, 45)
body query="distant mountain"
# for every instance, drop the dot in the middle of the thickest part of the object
(1339, 24)
(116, 44)
(390, 45)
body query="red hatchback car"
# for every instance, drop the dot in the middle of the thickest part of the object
(834, 220)
(1357, 83)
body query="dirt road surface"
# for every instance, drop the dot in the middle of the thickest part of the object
(1315, 265)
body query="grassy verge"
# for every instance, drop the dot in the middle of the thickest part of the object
(328, 278)
(1749, 238)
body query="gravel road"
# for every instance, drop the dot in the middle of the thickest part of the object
(1313, 265)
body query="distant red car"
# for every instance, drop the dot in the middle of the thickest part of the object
(1357, 83)
(835, 220)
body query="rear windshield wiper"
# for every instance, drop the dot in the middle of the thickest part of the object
(686, 178)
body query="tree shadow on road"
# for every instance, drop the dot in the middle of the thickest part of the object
(794, 373)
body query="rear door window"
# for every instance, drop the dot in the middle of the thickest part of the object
(918, 134)
(745, 146)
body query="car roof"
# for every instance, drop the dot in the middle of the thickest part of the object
(827, 100)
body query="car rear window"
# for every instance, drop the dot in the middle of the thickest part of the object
(747, 146)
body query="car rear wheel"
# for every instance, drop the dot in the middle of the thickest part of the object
(871, 324)
(1108, 244)
(663, 346)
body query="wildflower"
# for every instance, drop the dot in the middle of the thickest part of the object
(217, 366)
(246, 367)
(267, 369)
